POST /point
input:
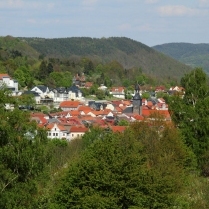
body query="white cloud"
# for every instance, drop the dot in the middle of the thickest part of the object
(178, 10)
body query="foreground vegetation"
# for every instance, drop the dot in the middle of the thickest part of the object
(153, 164)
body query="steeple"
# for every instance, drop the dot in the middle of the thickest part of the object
(137, 101)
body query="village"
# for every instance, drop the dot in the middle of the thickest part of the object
(75, 114)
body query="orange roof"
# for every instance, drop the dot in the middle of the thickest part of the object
(117, 89)
(78, 129)
(72, 104)
(51, 125)
(138, 117)
(74, 113)
(84, 108)
(118, 128)
(88, 84)
(148, 112)
(4, 75)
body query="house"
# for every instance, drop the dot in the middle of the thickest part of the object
(57, 131)
(34, 94)
(160, 89)
(74, 93)
(88, 85)
(77, 131)
(118, 92)
(79, 80)
(102, 87)
(59, 94)
(69, 105)
(43, 91)
(9, 83)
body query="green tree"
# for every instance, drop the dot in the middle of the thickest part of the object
(191, 114)
(23, 155)
(127, 171)
(60, 79)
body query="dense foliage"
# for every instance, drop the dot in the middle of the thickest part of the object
(191, 115)
(145, 167)
(23, 155)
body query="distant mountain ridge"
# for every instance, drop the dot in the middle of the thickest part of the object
(194, 55)
(126, 51)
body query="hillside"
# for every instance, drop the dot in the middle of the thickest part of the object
(127, 52)
(11, 44)
(194, 55)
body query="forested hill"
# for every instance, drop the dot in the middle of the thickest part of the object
(194, 55)
(16, 47)
(126, 51)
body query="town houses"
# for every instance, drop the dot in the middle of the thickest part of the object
(76, 115)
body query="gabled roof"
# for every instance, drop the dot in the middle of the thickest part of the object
(84, 108)
(59, 126)
(42, 88)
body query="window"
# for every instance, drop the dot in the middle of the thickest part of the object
(56, 134)
(49, 134)
(53, 134)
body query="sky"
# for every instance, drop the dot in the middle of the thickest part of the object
(151, 22)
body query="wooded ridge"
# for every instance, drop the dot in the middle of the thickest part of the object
(194, 55)
(127, 52)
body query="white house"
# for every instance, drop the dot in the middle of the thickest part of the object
(41, 90)
(9, 83)
(118, 92)
(57, 131)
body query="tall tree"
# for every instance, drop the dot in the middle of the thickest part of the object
(22, 155)
(191, 114)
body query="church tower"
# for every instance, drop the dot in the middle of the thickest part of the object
(137, 101)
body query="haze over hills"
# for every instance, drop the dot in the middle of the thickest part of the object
(194, 55)
(126, 51)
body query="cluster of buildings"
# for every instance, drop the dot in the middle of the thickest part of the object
(77, 115)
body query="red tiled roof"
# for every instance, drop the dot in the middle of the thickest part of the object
(147, 112)
(51, 125)
(138, 117)
(84, 108)
(74, 113)
(70, 104)
(117, 89)
(78, 129)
